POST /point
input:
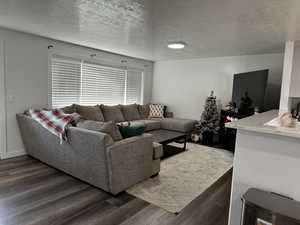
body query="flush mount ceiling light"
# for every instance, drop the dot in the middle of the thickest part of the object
(177, 45)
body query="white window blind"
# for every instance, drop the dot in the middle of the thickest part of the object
(65, 81)
(102, 85)
(80, 82)
(134, 86)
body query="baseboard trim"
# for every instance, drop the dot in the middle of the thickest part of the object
(14, 154)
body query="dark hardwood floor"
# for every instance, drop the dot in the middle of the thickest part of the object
(34, 193)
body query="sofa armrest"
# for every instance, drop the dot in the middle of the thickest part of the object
(131, 141)
(87, 155)
(169, 114)
(79, 136)
(130, 161)
(157, 151)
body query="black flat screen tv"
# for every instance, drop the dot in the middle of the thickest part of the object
(254, 83)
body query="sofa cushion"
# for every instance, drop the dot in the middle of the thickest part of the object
(152, 125)
(112, 113)
(105, 127)
(144, 111)
(69, 109)
(90, 112)
(149, 124)
(157, 150)
(176, 124)
(130, 112)
(157, 111)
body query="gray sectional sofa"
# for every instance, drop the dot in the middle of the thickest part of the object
(92, 156)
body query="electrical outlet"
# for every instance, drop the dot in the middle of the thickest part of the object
(10, 99)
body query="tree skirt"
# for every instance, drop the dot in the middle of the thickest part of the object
(184, 177)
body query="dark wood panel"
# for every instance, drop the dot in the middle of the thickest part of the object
(32, 193)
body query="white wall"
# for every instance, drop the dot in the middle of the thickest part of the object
(26, 77)
(183, 85)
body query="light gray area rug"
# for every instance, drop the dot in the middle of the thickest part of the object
(184, 177)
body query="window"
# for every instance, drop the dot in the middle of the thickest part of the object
(65, 85)
(85, 83)
(133, 86)
(103, 85)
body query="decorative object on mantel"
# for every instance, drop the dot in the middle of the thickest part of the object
(285, 120)
(209, 123)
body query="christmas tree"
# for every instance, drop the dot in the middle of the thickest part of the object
(210, 117)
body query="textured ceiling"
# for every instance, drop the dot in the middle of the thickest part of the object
(224, 27)
(142, 28)
(121, 26)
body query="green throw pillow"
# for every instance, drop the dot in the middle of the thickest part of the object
(131, 131)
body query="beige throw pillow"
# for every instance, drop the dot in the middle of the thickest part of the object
(130, 112)
(144, 111)
(157, 111)
(69, 109)
(90, 112)
(112, 113)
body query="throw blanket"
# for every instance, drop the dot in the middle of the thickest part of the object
(55, 121)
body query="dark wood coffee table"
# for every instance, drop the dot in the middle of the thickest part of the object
(166, 137)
